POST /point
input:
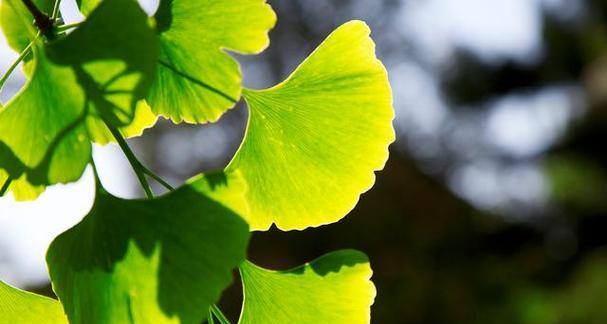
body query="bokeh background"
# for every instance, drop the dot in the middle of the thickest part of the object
(493, 206)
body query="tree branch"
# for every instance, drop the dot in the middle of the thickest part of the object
(41, 20)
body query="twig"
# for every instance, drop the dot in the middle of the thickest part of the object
(41, 20)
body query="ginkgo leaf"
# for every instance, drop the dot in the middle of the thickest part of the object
(20, 187)
(143, 118)
(98, 72)
(17, 19)
(335, 288)
(22, 190)
(118, 72)
(197, 81)
(314, 141)
(16, 22)
(87, 6)
(163, 260)
(17, 306)
(52, 146)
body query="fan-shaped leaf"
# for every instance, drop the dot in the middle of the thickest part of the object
(197, 81)
(314, 141)
(17, 306)
(152, 261)
(16, 22)
(52, 144)
(332, 289)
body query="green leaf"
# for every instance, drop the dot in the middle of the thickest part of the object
(21, 188)
(143, 118)
(98, 72)
(197, 81)
(87, 6)
(16, 18)
(332, 289)
(17, 306)
(41, 130)
(152, 261)
(17, 22)
(314, 141)
(116, 66)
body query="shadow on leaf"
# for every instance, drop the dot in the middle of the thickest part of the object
(149, 260)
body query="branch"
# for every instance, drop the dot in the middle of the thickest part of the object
(41, 20)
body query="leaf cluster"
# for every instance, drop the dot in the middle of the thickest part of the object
(312, 145)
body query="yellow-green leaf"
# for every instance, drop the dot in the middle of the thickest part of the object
(197, 81)
(164, 260)
(332, 289)
(22, 190)
(143, 118)
(20, 307)
(17, 22)
(98, 72)
(52, 144)
(314, 141)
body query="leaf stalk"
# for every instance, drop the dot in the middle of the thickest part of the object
(55, 13)
(137, 166)
(62, 28)
(5, 186)
(13, 66)
(220, 316)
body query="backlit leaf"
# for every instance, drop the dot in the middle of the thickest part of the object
(143, 118)
(314, 141)
(332, 289)
(17, 22)
(17, 306)
(197, 81)
(52, 145)
(21, 188)
(100, 71)
(163, 260)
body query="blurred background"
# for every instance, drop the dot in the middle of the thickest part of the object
(493, 206)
